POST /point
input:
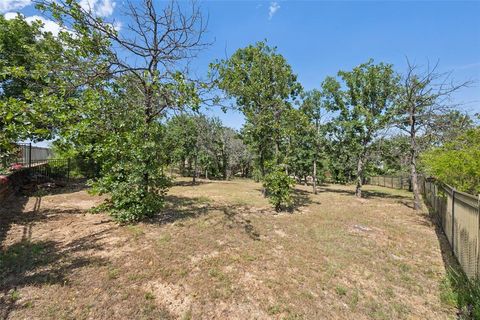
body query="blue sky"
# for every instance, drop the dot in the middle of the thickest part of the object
(318, 38)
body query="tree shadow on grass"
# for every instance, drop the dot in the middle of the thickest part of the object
(302, 198)
(54, 188)
(35, 263)
(180, 208)
(370, 194)
(182, 183)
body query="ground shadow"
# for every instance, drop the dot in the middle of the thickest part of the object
(464, 288)
(301, 198)
(30, 263)
(369, 194)
(54, 187)
(178, 208)
(190, 183)
(237, 220)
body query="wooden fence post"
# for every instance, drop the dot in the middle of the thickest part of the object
(478, 240)
(453, 221)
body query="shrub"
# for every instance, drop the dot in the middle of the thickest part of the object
(457, 163)
(278, 187)
(130, 200)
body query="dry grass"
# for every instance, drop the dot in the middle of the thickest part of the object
(220, 252)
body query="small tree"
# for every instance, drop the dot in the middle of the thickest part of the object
(278, 186)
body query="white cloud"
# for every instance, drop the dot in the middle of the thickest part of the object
(274, 6)
(48, 25)
(11, 15)
(9, 5)
(102, 8)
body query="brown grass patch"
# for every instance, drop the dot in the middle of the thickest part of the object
(218, 251)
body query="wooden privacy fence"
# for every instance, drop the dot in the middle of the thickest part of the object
(391, 182)
(457, 213)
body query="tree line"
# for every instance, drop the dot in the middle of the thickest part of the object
(127, 104)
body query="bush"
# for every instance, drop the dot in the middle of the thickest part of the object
(130, 200)
(457, 163)
(278, 187)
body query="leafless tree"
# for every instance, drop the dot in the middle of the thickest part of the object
(154, 49)
(425, 94)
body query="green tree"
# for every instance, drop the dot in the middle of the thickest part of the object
(278, 186)
(457, 162)
(263, 86)
(363, 108)
(146, 80)
(27, 57)
(314, 108)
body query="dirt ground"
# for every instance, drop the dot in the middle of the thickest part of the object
(218, 251)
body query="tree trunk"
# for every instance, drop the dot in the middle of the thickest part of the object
(413, 157)
(358, 189)
(194, 170)
(315, 176)
(413, 166)
(416, 192)
(206, 174)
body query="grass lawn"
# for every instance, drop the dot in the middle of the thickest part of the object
(220, 252)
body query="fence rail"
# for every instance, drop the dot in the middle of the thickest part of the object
(391, 182)
(28, 153)
(457, 213)
(24, 154)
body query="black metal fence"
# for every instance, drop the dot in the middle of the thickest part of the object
(57, 169)
(27, 153)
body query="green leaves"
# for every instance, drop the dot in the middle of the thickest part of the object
(264, 87)
(279, 187)
(457, 163)
(363, 105)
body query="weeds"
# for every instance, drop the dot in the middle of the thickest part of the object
(459, 291)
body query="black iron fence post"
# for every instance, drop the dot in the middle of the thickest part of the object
(30, 155)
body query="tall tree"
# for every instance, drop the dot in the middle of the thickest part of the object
(152, 53)
(27, 58)
(263, 86)
(314, 108)
(425, 95)
(363, 108)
